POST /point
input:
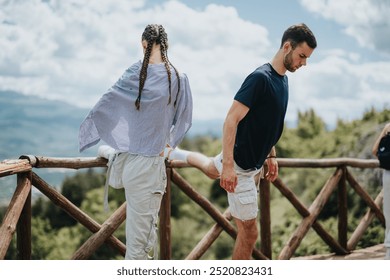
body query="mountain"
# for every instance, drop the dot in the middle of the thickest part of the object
(36, 126)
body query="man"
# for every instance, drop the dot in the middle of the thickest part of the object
(252, 127)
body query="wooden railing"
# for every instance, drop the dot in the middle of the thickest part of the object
(17, 218)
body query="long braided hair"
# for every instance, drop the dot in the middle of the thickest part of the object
(155, 33)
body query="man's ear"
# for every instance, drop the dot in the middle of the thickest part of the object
(287, 47)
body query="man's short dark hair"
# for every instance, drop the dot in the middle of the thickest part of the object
(297, 34)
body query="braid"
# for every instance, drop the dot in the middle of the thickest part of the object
(163, 50)
(150, 35)
(167, 63)
(178, 83)
(143, 75)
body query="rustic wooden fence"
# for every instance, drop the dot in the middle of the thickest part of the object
(17, 218)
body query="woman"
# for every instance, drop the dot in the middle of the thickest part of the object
(149, 107)
(386, 191)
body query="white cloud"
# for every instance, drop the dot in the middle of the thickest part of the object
(367, 21)
(62, 48)
(75, 50)
(339, 87)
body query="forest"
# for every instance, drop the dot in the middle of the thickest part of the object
(56, 236)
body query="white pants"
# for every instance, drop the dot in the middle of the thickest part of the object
(144, 180)
(386, 205)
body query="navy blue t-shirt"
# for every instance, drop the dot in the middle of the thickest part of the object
(265, 93)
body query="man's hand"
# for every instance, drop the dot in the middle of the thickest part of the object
(273, 169)
(228, 179)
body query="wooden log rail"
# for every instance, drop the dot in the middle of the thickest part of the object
(18, 215)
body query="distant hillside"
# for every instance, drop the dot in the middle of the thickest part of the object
(32, 125)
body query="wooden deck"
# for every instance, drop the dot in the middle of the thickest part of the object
(371, 253)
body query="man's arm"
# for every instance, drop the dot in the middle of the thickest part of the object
(228, 176)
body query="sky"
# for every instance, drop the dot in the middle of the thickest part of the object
(75, 50)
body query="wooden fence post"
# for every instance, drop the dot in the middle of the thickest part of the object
(23, 229)
(265, 217)
(343, 209)
(12, 215)
(165, 221)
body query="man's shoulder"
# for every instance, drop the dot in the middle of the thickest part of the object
(262, 72)
(265, 68)
(258, 73)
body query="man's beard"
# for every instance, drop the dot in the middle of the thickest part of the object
(287, 61)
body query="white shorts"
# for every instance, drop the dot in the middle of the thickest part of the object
(144, 181)
(243, 202)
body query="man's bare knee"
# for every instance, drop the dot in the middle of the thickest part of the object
(248, 229)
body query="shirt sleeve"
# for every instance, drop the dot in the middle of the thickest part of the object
(88, 133)
(183, 118)
(251, 89)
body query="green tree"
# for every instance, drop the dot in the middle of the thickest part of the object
(309, 125)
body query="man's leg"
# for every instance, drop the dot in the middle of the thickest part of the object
(246, 239)
(244, 209)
